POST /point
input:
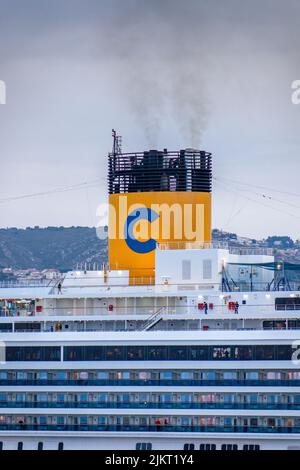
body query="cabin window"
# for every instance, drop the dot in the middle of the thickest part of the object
(287, 303)
(198, 353)
(207, 447)
(189, 447)
(93, 353)
(157, 353)
(114, 353)
(229, 447)
(265, 353)
(207, 269)
(143, 446)
(135, 353)
(186, 270)
(221, 353)
(177, 352)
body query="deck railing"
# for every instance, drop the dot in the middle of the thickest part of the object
(142, 284)
(222, 311)
(152, 428)
(233, 249)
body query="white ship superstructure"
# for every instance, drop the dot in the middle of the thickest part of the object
(199, 356)
(111, 365)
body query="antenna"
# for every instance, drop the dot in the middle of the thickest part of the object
(117, 143)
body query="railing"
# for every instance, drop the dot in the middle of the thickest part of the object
(143, 405)
(155, 428)
(142, 283)
(152, 320)
(150, 382)
(218, 310)
(194, 245)
(56, 286)
(26, 283)
(137, 328)
(287, 307)
(248, 286)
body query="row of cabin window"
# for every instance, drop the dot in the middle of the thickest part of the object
(32, 353)
(148, 446)
(139, 398)
(31, 327)
(151, 353)
(40, 446)
(228, 422)
(190, 352)
(226, 447)
(144, 375)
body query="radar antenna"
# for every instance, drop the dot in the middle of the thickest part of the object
(117, 143)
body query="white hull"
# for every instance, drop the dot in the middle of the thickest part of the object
(123, 441)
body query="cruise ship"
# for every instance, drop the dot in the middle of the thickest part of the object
(177, 343)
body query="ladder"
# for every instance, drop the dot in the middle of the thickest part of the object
(153, 319)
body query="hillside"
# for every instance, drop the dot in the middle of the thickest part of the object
(52, 247)
(63, 248)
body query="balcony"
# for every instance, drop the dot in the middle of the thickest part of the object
(171, 383)
(148, 405)
(151, 428)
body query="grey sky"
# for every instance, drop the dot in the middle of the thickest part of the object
(165, 73)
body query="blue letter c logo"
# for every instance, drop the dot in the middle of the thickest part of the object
(139, 214)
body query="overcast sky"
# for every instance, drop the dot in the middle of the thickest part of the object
(213, 74)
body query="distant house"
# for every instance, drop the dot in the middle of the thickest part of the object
(7, 270)
(51, 274)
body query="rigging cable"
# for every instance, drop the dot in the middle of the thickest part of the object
(84, 185)
(264, 195)
(235, 191)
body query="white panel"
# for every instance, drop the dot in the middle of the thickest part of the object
(186, 270)
(207, 269)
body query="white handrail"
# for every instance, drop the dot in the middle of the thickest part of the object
(153, 319)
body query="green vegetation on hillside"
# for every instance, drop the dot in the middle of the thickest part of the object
(51, 247)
